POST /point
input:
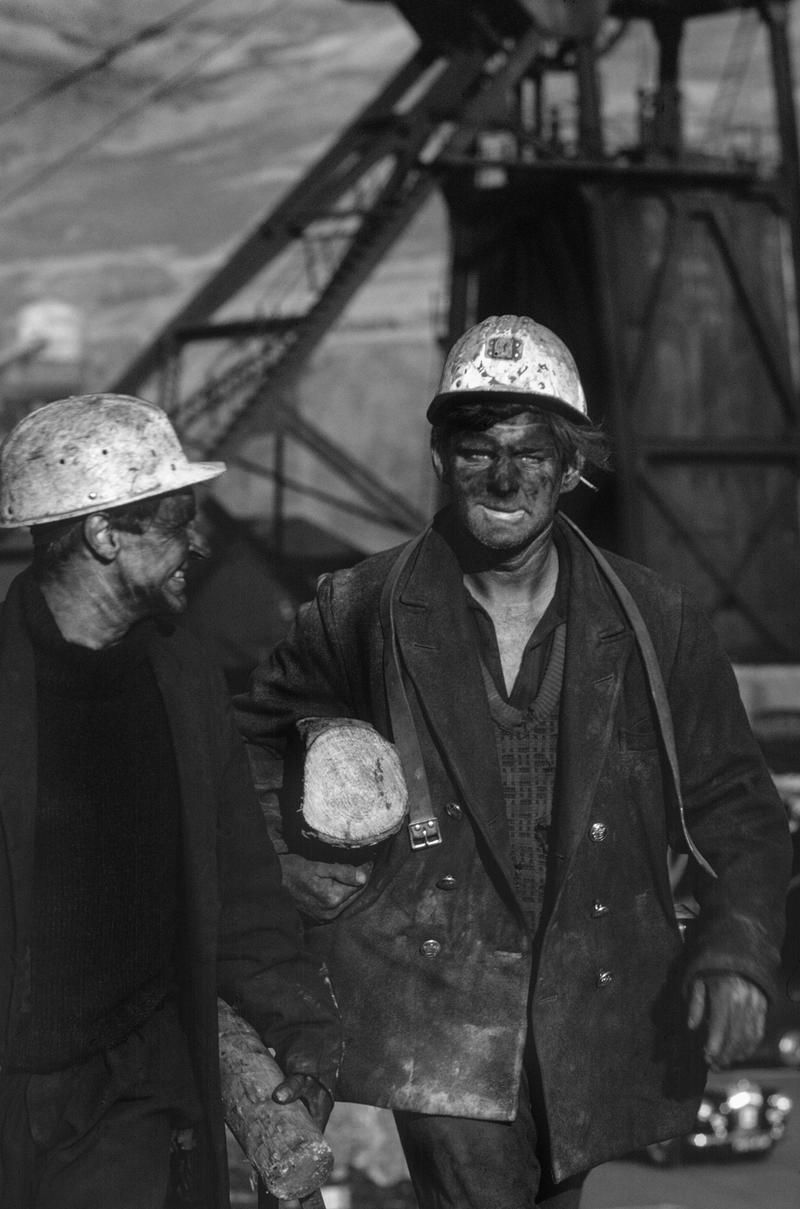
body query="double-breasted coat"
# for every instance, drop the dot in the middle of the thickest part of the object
(241, 936)
(433, 964)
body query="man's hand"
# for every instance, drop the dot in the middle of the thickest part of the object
(319, 889)
(308, 1089)
(734, 1010)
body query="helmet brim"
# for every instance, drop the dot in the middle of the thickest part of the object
(187, 475)
(199, 472)
(450, 400)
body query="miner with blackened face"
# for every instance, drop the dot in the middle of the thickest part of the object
(512, 978)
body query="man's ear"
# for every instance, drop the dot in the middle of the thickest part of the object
(438, 464)
(101, 537)
(572, 474)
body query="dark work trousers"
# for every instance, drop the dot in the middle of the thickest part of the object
(460, 1163)
(97, 1136)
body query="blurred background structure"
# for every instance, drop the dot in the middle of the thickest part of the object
(273, 216)
(664, 253)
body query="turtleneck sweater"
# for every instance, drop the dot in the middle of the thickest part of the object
(106, 861)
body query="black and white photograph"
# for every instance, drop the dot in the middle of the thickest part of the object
(400, 604)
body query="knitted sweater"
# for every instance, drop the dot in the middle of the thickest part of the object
(106, 856)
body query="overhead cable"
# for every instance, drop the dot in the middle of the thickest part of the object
(731, 83)
(103, 60)
(160, 90)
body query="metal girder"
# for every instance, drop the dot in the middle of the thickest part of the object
(448, 23)
(772, 357)
(368, 187)
(433, 101)
(653, 462)
(372, 134)
(682, 10)
(393, 129)
(218, 416)
(403, 195)
(387, 126)
(726, 580)
(440, 21)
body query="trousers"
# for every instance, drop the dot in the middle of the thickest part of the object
(98, 1135)
(456, 1163)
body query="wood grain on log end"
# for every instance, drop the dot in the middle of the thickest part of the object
(354, 790)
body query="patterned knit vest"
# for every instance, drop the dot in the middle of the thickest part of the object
(527, 742)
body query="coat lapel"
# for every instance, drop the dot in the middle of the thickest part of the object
(440, 657)
(17, 755)
(181, 690)
(598, 648)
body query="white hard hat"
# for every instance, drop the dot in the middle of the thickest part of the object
(89, 452)
(509, 356)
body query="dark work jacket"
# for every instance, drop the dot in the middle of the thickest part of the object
(241, 934)
(442, 1029)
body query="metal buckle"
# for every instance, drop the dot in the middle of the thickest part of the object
(424, 833)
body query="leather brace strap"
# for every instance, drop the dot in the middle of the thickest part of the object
(655, 680)
(423, 826)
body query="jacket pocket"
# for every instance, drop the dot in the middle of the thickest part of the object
(638, 736)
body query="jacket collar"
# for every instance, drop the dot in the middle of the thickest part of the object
(599, 642)
(18, 757)
(181, 686)
(439, 653)
(17, 705)
(434, 635)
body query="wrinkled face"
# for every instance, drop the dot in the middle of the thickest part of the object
(151, 566)
(505, 482)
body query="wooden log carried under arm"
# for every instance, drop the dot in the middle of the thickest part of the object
(354, 791)
(280, 1140)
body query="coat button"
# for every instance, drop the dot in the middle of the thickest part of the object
(599, 909)
(454, 810)
(605, 978)
(430, 948)
(598, 832)
(448, 882)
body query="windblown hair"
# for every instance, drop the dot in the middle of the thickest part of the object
(571, 441)
(56, 543)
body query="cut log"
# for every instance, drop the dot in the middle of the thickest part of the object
(354, 791)
(280, 1140)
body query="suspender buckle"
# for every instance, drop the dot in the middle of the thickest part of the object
(424, 833)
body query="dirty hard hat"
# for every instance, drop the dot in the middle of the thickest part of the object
(80, 455)
(511, 356)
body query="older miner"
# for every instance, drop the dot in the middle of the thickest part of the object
(137, 880)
